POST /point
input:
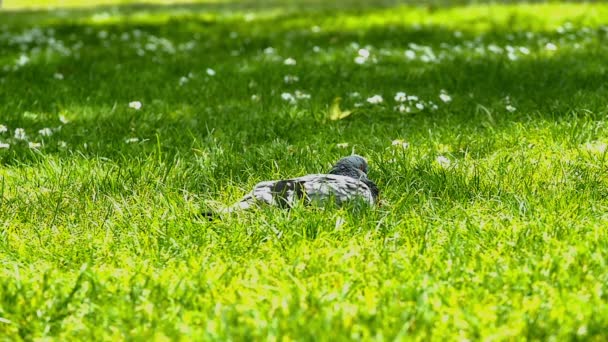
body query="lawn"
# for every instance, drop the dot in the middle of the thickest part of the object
(485, 127)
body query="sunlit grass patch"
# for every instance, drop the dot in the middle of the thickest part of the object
(484, 127)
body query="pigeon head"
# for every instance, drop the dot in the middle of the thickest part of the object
(353, 166)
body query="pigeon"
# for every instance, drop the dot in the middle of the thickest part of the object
(346, 181)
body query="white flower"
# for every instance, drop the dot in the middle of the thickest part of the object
(316, 49)
(410, 54)
(403, 109)
(289, 61)
(363, 53)
(269, 50)
(46, 132)
(400, 97)
(4, 145)
(354, 94)
(445, 97)
(58, 76)
(210, 72)
(20, 134)
(255, 97)
(551, 47)
(23, 60)
(3, 129)
(510, 108)
(34, 145)
(412, 98)
(63, 119)
(420, 106)
(524, 50)
(301, 95)
(183, 80)
(495, 48)
(135, 105)
(443, 161)
(400, 143)
(342, 145)
(62, 144)
(132, 140)
(375, 99)
(288, 97)
(291, 79)
(360, 60)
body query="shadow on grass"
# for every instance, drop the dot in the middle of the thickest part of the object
(109, 72)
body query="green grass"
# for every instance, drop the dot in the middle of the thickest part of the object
(493, 219)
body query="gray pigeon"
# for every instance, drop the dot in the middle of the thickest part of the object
(345, 181)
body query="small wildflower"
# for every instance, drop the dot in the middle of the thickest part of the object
(302, 95)
(445, 97)
(524, 50)
(288, 97)
(270, 50)
(363, 53)
(400, 97)
(410, 54)
(255, 97)
(354, 94)
(62, 144)
(183, 80)
(4, 145)
(58, 76)
(376, 99)
(289, 61)
(510, 108)
(342, 145)
(135, 105)
(443, 161)
(291, 79)
(33, 145)
(210, 72)
(20, 134)
(132, 140)
(46, 132)
(360, 60)
(316, 49)
(63, 119)
(551, 47)
(400, 143)
(23, 60)
(412, 98)
(403, 108)
(420, 106)
(3, 129)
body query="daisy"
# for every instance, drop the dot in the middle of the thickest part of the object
(46, 132)
(400, 97)
(20, 134)
(445, 97)
(376, 99)
(443, 161)
(135, 105)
